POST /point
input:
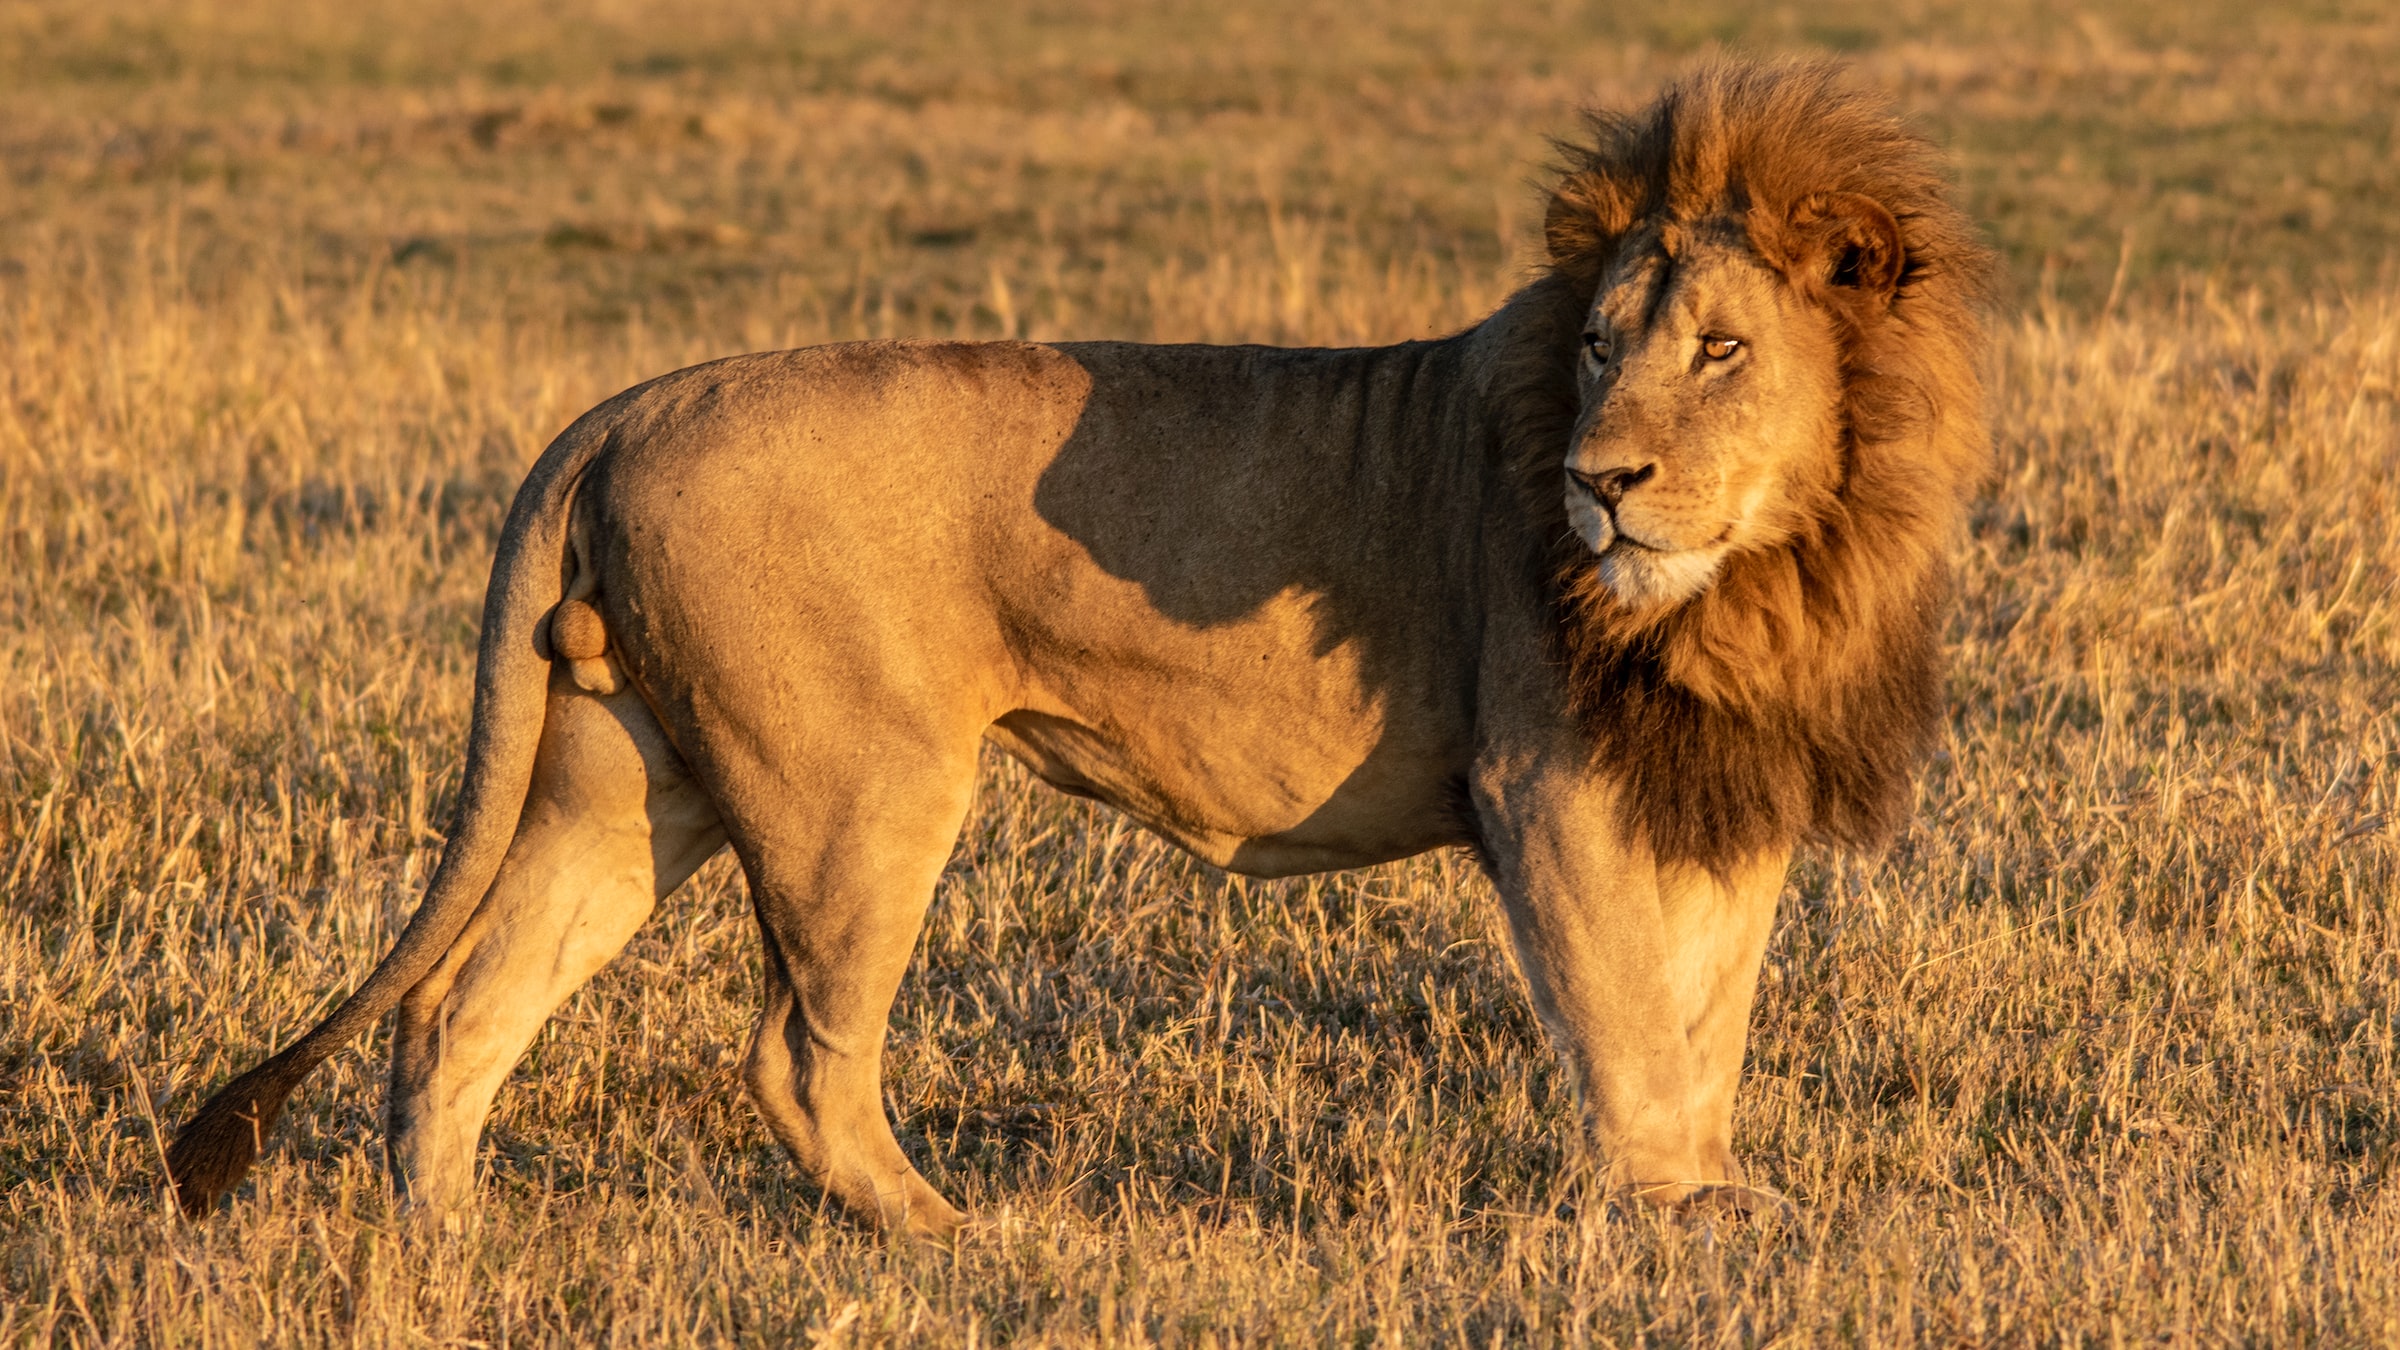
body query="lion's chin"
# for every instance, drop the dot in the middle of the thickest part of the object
(1647, 578)
(1643, 577)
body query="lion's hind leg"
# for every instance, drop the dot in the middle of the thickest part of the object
(842, 870)
(611, 824)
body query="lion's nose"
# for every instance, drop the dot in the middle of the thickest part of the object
(1611, 485)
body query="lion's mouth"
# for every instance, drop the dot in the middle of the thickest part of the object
(1627, 539)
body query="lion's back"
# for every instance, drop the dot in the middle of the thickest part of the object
(861, 448)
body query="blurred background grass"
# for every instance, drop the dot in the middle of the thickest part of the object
(873, 166)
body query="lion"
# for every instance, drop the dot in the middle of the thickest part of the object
(1632, 589)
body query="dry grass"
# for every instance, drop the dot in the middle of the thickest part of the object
(2103, 1050)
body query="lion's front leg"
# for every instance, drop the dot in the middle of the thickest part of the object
(1717, 927)
(1644, 989)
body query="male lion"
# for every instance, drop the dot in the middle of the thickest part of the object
(1631, 588)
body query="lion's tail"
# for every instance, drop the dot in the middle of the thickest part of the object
(214, 1150)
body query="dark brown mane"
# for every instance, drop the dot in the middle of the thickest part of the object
(1794, 698)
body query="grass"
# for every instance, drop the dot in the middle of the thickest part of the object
(2103, 1049)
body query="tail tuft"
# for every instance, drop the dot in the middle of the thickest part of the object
(214, 1150)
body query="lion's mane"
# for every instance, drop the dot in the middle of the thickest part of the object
(1793, 699)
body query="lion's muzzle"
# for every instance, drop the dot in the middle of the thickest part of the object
(1592, 520)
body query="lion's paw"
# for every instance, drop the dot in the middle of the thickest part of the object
(1737, 1201)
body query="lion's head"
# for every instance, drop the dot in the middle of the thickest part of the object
(1749, 393)
(1710, 392)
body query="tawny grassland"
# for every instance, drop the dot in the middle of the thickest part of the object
(2101, 1051)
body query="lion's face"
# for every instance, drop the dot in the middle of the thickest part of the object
(1710, 421)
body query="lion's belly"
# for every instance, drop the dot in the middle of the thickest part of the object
(1255, 744)
(1241, 809)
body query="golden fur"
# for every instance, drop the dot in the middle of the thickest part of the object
(1293, 610)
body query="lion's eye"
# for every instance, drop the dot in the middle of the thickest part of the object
(1597, 346)
(1718, 348)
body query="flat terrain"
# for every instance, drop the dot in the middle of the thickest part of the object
(2101, 1051)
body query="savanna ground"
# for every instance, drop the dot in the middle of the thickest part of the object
(2102, 1050)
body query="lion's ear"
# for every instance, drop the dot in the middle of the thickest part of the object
(1849, 240)
(1588, 213)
